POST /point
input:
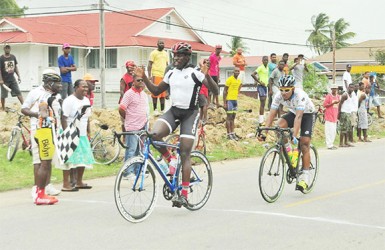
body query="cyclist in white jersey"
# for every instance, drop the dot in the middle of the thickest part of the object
(301, 117)
(183, 83)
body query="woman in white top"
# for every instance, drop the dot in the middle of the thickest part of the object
(82, 157)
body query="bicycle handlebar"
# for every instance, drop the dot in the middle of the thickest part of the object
(278, 129)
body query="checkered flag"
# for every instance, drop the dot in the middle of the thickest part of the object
(68, 140)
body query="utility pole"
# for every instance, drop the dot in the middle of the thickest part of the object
(334, 53)
(102, 54)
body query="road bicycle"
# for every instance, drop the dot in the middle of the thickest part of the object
(200, 139)
(20, 131)
(276, 166)
(136, 194)
(105, 148)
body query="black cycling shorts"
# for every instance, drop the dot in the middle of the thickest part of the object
(188, 120)
(307, 125)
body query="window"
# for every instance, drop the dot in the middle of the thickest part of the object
(93, 59)
(111, 58)
(194, 59)
(75, 55)
(143, 56)
(52, 56)
(168, 22)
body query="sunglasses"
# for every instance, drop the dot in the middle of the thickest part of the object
(139, 80)
(285, 90)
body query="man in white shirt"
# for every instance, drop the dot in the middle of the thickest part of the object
(347, 78)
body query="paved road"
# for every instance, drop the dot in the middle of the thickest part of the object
(345, 211)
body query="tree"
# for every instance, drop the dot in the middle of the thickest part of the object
(380, 57)
(235, 43)
(10, 8)
(314, 84)
(320, 37)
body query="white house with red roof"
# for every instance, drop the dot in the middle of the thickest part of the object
(129, 35)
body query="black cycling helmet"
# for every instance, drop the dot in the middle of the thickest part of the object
(50, 75)
(286, 81)
(182, 47)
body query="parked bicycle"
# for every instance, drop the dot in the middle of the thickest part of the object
(105, 148)
(18, 131)
(200, 139)
(276, 166)
(136, 194)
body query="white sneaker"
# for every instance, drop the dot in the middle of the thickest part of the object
(34, 193)
(51, 190)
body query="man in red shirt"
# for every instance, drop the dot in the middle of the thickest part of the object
(127, 79)
(331, 112)
(215, 58)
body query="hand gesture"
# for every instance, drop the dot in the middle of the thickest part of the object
(139, 71)
(204, 66)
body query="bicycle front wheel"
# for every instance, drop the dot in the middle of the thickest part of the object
(314, 168)
(135, 201)
(201, 181)
(106, 150)
(13, 143)
(271, 175)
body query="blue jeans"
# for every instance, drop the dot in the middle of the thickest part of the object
(132, 144)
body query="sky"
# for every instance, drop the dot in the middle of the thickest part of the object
(273, 21)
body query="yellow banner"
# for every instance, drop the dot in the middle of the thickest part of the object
(379, 69)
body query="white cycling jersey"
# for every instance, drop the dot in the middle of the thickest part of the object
(184, 90)
(298, 101)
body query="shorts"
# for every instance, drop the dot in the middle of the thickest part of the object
(216, 80)
(232, 106)
(202, 100)
(374, 101)
(307, 124)
(14, 86)
(262, 90)
(45, 144)
(345, 122)
(353, 119)
(157, 80)
(188, 120)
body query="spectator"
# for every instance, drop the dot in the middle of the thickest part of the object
(331, 112)
(373, 97)
(82, 157)
(273, 81)
(134, 110)
(365, 79)
(203, 97)
(285, 59)
(230, 103)
(46, 93)
(346, 78)
(66, 65)
(8, 68)
(353, 114)
(363, 104)
(345, 108)
(91, 81)
(127, 78)
(261, 77)
(214, 58)
(156, 68)
(239, 61)
(298, 69)
(272, 65)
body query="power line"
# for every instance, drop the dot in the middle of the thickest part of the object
(183, 26)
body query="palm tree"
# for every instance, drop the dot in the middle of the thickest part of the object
(235, 43)
(318, 38)
(340, 27)
(10, 8)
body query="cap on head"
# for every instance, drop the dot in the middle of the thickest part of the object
(301, 55)
(334, 86)
(66, 45)
(7, 46)
(218, 46)
(130, 64)
(89, 77)
(348, 66)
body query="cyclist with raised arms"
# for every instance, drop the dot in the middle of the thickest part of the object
(301, 117)
(184, 82)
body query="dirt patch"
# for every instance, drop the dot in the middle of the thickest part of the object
(245, 125)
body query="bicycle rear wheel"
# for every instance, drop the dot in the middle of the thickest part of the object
(13, 143)
(106, 150)
(201, 181)
(314, 168)
(271, 175)
(135, 203)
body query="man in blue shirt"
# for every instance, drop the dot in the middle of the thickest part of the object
(66, 65)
